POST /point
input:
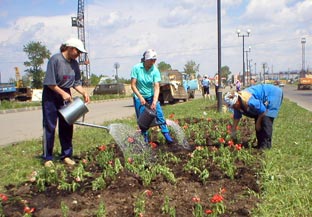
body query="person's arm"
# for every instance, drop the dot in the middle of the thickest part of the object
(136, 91)
(85, 95)
(156, 95)
(66, 96)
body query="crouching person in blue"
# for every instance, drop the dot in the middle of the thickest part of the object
(261, 102)
(62, 73)
(145, 78)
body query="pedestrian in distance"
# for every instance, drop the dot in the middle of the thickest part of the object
(62, 74)
(205, 86)
(145, 78)
(238, 85)
(261, 102)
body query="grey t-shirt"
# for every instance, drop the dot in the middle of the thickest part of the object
(62, 73)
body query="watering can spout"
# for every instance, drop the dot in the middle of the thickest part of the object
(92, 125)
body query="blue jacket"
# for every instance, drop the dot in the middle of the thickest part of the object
(264, 98)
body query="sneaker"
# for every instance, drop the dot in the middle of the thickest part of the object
(69, 161)
(48, 163)
(168, 138)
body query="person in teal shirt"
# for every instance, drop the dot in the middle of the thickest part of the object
(145, 78)
(261, 102)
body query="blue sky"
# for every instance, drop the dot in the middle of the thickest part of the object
(179, 30)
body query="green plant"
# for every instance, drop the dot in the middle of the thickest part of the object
(167, 209)
(65, 209)
(139, 206)
(101, 212)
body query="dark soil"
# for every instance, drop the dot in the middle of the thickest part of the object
(121, 193)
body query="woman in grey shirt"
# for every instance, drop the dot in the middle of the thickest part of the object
(62, 73)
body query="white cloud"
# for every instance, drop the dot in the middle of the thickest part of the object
(120, 31)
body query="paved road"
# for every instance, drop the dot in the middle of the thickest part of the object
(27, 125)
(302, 97)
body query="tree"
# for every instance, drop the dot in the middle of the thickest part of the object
(225, 72)
(162, 66)
(36, 53)
(191, 68)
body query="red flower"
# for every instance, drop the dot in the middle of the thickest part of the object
(28, 210)
(185, 126)
(238, 146)
(148, 193)
(208, 211)
(3, 197)
(196, 199)
(130, 160)
(171, 116)
(221, 140)
(230, 143)
(217, 198)
(153, 144)
(102, 147)
(131, 140)
(223, 190)
(229, 127)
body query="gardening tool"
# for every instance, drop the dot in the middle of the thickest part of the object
(73, 110)
(92, 125)
(148, 118)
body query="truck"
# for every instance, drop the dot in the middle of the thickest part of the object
(305, 82)
(176, 86)
(7, 91)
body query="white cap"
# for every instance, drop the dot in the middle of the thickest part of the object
(150, 54)
(231, 98)
(76, 43)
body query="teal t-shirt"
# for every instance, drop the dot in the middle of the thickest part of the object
(145, 79)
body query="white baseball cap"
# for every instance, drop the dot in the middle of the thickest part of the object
(231, 98)
(76, 43)
(150, 54)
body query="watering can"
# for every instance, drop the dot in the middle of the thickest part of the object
(73, 110)
(147, 118)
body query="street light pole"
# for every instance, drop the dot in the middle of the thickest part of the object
(303, 41)
(243, 36)
(248, 64)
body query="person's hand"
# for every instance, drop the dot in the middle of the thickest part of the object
(153, 106)
(86, 98)
(66, 97)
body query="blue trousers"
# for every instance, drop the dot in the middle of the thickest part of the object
(139, 109)
(51, 103)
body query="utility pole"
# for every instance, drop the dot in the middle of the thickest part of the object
(83, 58)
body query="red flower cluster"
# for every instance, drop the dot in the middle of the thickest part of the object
(102, 147)
(28, 210)
(238, 146)
(3, 197)
(148, 193)
(221, 140)
(217, 198)
(130, 139)
(153, 145)
(196, 199)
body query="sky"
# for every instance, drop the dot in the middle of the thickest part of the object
(119, 31)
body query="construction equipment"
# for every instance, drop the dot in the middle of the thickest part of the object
(7, 91)
(305, 82)
(83, 58)
(22, 93)
(175, 86)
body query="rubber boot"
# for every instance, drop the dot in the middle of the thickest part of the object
(168, 138)
(145, 135)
